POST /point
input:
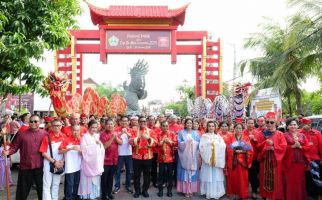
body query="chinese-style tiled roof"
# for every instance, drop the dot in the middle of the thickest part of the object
(99, 15)
(90, 81)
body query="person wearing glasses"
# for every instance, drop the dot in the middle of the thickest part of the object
(295, 162)
(51, 181)
(271, 145)
(142, 141)
(125, 156)
(31, 161)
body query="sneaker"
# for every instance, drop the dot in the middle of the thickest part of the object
(116, 190)
(110, 196)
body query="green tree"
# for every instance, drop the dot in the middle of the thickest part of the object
(282, 65)
(180, 107)
(27, 28)
(106, 90)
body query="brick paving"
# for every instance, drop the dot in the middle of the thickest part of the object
(122, 195)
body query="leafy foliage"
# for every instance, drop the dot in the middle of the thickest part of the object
(27, 28)
(106, 90)
(180, 107)
(289, 56)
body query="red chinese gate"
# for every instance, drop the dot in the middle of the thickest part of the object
(147, 30)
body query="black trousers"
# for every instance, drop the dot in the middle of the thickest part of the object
(312, 189)
(140, 166)
(154, 168)
(165, 174)
(26, 178)
(107, 180)
(253, 176)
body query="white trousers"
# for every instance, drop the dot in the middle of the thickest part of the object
(50, 185)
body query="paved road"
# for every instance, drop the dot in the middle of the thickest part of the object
(122, 195)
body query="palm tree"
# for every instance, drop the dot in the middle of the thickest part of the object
(287, 59)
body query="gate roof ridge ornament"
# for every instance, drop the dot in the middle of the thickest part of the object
(100, 15)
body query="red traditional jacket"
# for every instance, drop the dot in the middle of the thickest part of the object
(254, 143)
(225, 136)
(157, 132)
(166, 150)
(142, 148)
(314, 139)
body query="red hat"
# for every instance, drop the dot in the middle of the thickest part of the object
(270, 115)
(83, 115)
(306, 121)
(239, 120)
(48, 119)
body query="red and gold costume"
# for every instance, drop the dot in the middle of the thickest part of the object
(142, 147)
(166, 150)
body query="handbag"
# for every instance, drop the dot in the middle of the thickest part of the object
(53, 169)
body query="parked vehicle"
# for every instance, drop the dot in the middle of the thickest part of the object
(316, 122)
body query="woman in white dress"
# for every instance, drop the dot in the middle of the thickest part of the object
(212, 150)
(92, 163)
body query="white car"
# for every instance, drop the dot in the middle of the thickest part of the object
(15, 158)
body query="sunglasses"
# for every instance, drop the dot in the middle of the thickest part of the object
(33, 121)
(56, 125)
(142, 121)
(270, 122)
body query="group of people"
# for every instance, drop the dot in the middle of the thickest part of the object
(213, 158)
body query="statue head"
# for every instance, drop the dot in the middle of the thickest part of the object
(138, 72)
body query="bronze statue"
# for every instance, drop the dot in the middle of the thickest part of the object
(135, 90)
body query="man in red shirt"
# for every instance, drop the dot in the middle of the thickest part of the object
(167, 141)
(74, 120)
(31, 161)
(154, 168)
(142, 141)
(315, 155)
(176, 128)
(110, 140)
(51, 181)
(271, 145)
(173, 126)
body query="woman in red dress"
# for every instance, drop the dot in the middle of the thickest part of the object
(295, 162)
(239, 160)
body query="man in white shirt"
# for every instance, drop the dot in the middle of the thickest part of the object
(125, 156)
